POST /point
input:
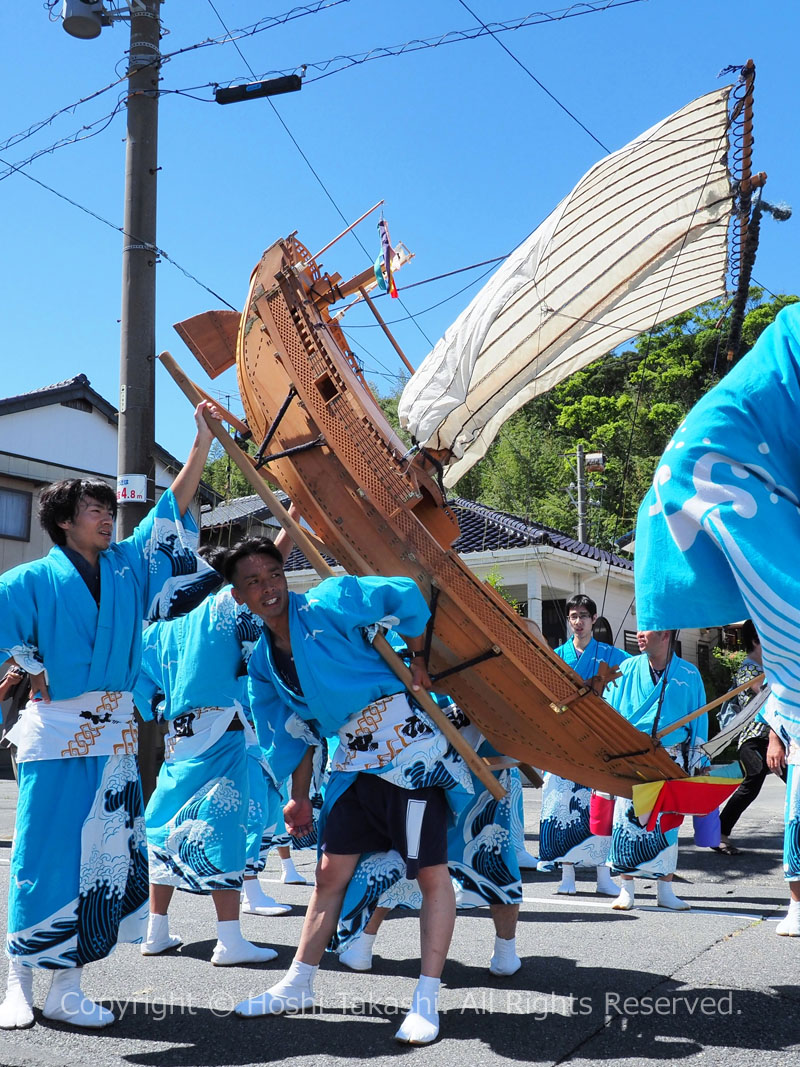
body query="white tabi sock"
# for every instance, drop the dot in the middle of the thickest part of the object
(358, 956)
(232, 949)
(505, 960)
(625, 901)
(605, 883)
(158, 939)
(290, 874)
(567, 879)
(421, 1024)
(665, 898)
(16, 1011)
(294, 992)
(790, 926)
(256, 902)
(67, 1003)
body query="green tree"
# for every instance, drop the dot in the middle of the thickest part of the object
(627, 405)
(222, 474)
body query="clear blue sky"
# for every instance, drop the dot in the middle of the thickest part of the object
(467, 150)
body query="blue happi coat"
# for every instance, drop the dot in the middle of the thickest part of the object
(339, 672)
(564, 833)
(48, 617)
(198, 660)
(587, 661)
(202, 814)
(650, 708)
(78, 880)
(722, 519)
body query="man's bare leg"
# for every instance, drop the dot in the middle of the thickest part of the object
(231, 948)
(436, 919)
(295, 990)
(159, 939)
(504, 959)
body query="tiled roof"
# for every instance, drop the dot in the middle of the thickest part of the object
(79, 387)
(244, 507)
(486, 530)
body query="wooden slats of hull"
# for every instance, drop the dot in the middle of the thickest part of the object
(380, 515)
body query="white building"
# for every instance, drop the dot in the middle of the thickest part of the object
(66, 430)
(534, 566)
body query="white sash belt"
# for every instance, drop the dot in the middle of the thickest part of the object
(196, 731)
(374, 736)
(92, 724)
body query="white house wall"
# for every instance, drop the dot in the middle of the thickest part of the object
(546, 573)
(46, 444)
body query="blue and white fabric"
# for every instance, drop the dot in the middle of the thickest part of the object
(564, 834)
(651, 707)
(78, 867)
(714, 533)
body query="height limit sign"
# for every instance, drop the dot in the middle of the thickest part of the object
(132, 488)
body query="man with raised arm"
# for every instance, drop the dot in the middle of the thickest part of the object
(73, 620)
(314, 673)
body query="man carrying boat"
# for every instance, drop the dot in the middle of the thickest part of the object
(655, 689)
(314, 673)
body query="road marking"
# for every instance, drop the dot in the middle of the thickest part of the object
(606, 906)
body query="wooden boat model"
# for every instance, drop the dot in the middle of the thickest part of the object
(643, 235)
(327, 444)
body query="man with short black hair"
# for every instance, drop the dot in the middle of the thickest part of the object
(73, 621)
(565, 839)
(314, 673)
(655, 690)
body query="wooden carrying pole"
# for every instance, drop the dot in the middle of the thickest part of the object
(324, 570)
(711, 704)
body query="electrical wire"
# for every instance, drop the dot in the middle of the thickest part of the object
(85, 133)
(531, 75)
(120, 229)
(337, 64)
(268, 22)
(311, 167)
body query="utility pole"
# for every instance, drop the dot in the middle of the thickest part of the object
(136, 442)
(581, 492)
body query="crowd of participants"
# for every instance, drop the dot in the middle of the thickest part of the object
(285, 728)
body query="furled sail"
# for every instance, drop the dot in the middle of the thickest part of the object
(642, 237)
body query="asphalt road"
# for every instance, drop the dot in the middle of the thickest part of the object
(711, 986)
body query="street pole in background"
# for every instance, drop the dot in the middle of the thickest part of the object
(137, 378)
(136, 442)
(581, 492)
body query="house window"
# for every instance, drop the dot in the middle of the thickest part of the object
(15, 514)
(631, 645)
(554, 621)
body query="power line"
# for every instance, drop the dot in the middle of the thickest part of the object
(120, 229)
(531, 75)
(405, 318)
(310, 166)
(337, 64)
(83, 134)
(268, 22)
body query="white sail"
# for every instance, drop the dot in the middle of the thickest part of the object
(640, 238)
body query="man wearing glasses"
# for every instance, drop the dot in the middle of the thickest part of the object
(565, 839)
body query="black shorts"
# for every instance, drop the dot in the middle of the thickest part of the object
(374, 815)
